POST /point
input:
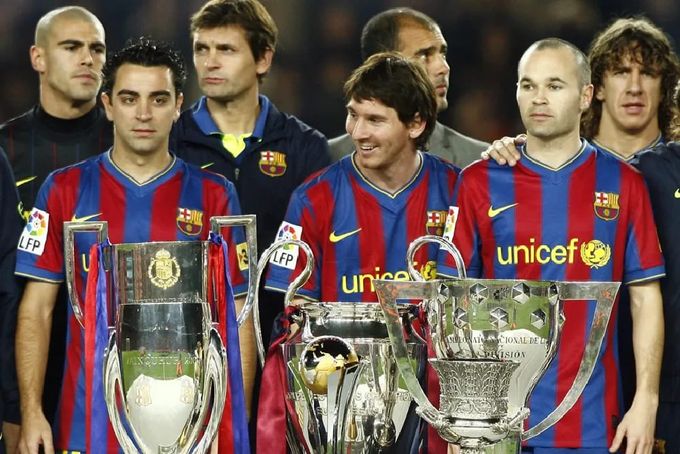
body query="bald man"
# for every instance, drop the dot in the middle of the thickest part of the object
(65, 127)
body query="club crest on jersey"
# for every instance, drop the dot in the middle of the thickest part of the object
(34, 236)
(434, 223)
(606, 205)
(287, 255)
(595, 253)
(190, 222)
(273, 163)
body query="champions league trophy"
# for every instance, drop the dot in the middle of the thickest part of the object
(493, 340)
(165, 363)
(343, 392)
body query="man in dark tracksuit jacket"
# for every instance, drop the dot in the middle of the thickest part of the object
(281, 153)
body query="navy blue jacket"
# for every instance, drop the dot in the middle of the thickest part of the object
(262, 192)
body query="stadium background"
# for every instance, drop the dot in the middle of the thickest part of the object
(319, 46)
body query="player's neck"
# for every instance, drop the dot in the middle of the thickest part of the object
(141, 167)
(236, 116)
(394, 177)
(66, 109)
(553, 152)
(626, 142)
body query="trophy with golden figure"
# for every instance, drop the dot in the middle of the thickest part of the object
(342, 388)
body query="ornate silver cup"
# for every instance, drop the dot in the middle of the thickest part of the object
(493, 340)
(165, 360)
(343, 392)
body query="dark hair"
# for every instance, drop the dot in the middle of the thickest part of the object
(145, 52)
(250, 15)
(583, 67)
(381, 32)
(393, 80)
(639, 39)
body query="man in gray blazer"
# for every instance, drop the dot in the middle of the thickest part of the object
(418, 37)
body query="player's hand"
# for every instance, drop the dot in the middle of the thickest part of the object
(35, 431)
(10, 435)
(637, 427)
(504, 151)
(453, 449)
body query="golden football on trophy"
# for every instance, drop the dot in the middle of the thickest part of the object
(322, 357)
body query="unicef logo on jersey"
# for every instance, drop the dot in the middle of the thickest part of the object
(594, 253)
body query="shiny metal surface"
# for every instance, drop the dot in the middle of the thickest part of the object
(493, 341)
(166, 361)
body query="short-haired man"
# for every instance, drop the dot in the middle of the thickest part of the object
(65, 127)
(138, 186)
(592, 212)
(360, 214)
(418, 37)
(236, 131)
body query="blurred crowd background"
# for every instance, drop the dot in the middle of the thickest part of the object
(319, 46)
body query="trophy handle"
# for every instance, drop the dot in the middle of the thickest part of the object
(70, 228)
(605, 294)
(388, 294)
(448, 246)
(247, 220)
(294, 286)
(113, 382)
(216, 366)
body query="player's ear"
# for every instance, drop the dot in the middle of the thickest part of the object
(586, 96)
(416, 126)
(37, 55)
(264, 63)
(106, 102)
(178, 106)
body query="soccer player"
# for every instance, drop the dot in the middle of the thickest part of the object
(418, 37)
(139, 187)
(9, 292)
(586, 216)
(236, 131)
(360, 214)
(65, 127)
(634, 72)
(661, 169)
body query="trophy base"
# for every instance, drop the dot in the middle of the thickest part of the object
(510, 445)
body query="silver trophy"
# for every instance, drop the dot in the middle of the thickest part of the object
(493, 340)
(165, 359)
(343, 388)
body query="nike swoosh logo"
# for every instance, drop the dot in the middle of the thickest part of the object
(677, 193)
(25, 180)
(205, 166)
(335, 238)
(495, 212)
(84, 218)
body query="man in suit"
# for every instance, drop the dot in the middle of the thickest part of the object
(418, 37)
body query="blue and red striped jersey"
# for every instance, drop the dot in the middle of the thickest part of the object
(174, 206)
(589, 220)
(359, 232)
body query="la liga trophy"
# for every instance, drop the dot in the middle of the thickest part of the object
(343, 393)
(164, 365)
(493, 341)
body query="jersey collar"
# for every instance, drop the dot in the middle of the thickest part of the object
(207, 125)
